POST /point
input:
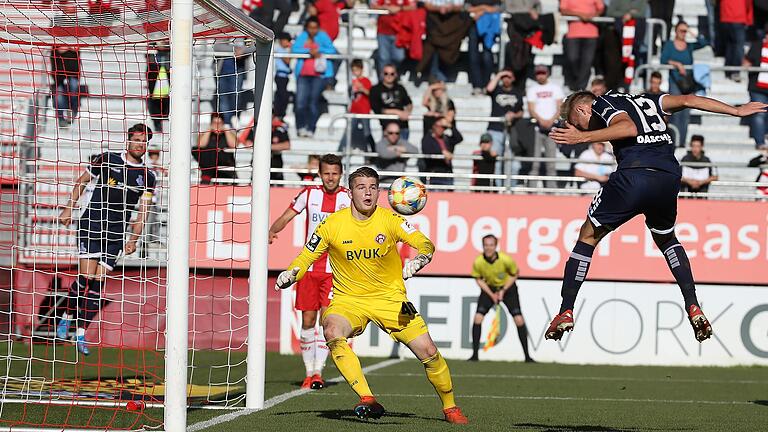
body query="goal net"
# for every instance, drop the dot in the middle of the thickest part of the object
(84, 318)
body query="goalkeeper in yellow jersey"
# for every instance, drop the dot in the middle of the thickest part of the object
(361, 242)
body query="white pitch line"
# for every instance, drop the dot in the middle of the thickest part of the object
(587, 378)
(269, 403)
(561, 398)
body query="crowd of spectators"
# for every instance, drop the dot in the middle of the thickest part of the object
(423, 40)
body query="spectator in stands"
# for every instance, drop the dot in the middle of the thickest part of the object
(447, 26)
(438, 104)
(679, 53)
(438, 143)
(697, 178)
(391, 148)
(613, 64)
(758, 88)
(580, 42)
(280, 143)
(595, 173)
(761, 161)
(487, 164)
(230, 74)
(159, 83)
(360, 104)
(282, 75)
(211, 151)
(598, 87)
(386, 32)
(654, 84)
(311, 74)
(735, 17)
(65, 73)
(390, 97)
(310, 169)
(482, 36)
(507, 102)
(523, 20)
(544, 100)
(327, 13)
(263, 11)
(663, 10)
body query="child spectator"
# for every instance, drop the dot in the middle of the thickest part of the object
(360, 104)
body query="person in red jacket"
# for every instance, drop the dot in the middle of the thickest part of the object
(735, 17)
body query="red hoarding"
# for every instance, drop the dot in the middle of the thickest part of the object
(726, 240)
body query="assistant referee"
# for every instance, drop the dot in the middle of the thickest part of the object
(496, 273)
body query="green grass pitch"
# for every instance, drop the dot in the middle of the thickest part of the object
(494, 395)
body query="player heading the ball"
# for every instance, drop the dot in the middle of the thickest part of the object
(646, 182)
(361, 242)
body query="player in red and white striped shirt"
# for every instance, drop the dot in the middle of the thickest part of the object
(313, 292)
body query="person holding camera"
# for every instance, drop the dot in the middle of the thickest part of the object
(679, 53)
(211, 151)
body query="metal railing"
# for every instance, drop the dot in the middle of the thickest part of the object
(648, 67)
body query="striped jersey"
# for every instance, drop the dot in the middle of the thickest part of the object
(318, 205)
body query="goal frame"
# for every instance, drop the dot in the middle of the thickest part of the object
(177, 291)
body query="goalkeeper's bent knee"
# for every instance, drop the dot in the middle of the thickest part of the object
(440, 377)
(349, 365)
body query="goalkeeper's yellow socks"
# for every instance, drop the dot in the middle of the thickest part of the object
(440, 377)
(349, 366)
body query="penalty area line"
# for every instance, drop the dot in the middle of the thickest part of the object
(271, 402)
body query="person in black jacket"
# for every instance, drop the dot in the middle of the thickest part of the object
(438, 142)
(65, 72)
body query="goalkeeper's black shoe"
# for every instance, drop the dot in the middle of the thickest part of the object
(368, 408)
(473, 358)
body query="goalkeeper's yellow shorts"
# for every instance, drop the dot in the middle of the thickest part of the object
(390, 315)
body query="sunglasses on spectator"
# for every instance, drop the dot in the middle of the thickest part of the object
(389, 73)
(393, 133)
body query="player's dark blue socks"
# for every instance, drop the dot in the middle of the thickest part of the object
(575, 272)
(77, 287)
(678, 263)
(92, 303)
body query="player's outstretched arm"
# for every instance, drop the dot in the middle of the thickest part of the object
(65, 218)
(673, 103)
(621, 127)
(280, 223)
(417, 240)
(317, 244)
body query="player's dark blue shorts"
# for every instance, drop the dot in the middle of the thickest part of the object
(631, 192)
(102, 242)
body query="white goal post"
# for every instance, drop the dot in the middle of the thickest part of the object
(29, 23)
(175, 415)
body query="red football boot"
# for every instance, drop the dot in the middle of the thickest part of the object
(455, 416)
(560, 324)
(702, 330)
(368, 408)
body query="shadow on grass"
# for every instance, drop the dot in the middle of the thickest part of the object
(588, 428)
(760, 402)
(349, 416)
